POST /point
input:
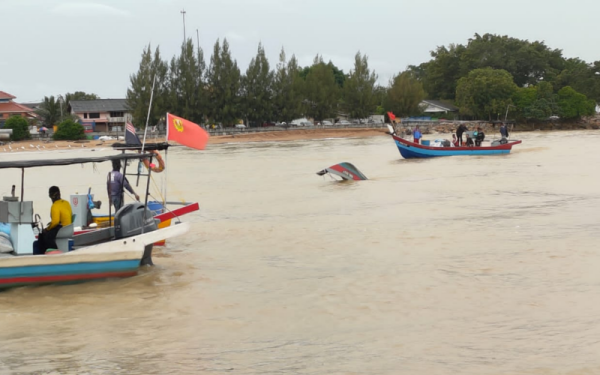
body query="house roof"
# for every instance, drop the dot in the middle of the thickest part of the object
(442, 104)
(99, 105)
(12, 107)
(32, 105)
(4, 95)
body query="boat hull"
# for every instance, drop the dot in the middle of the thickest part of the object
(411, 150)
(118, 258)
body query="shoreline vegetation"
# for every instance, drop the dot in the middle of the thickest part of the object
(295, 135)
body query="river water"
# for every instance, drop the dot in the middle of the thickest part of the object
(459, 265)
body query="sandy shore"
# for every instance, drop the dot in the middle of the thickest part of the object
(272, 136)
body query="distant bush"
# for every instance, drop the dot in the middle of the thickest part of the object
(69, 130)
(19, 126)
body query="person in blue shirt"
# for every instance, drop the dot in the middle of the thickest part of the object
(115, 183)
(417, 134)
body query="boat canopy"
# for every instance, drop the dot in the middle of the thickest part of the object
(55, 162)
(148, 147)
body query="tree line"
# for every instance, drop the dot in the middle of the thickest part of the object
(492, 74)
(221, 93)
(488, 78)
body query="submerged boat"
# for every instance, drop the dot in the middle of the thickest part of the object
(345, 170)
(409, 149)
(115, 251)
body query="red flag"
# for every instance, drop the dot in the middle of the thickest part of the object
(186, 132)
(391, 116)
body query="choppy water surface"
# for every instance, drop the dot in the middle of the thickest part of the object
(460, 265)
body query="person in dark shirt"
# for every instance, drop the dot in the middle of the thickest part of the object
(479, 137)
(115, 183)
(504, 131)
(459, 132)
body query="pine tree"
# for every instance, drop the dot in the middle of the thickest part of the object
(257, 86)
(359, 98)
(186, 84)
(223, 86)
(321, 91)
(287, 89)
(138, 95)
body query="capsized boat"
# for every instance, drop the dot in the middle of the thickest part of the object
(116, 251)
(345, 170)
(409, 149)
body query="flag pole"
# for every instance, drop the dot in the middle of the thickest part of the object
(148, 117)
(166, 162)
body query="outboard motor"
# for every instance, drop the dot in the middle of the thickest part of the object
(130, 219)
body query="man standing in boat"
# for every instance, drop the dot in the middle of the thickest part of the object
(417, 135)
(115, 183)
(504, 131)
(61, 215)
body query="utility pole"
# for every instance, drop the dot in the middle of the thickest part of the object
(183, 13)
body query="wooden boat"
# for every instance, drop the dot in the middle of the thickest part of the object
(116, 251)
(409, 149)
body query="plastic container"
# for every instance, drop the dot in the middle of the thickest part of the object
(425, 143)
(156, 208)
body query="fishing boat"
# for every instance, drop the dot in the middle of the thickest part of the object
(83, 205)
(115, 251)
(409, 149)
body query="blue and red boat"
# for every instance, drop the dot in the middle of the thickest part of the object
(409, 149)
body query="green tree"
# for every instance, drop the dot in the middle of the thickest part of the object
(535, 102)
(440, 75)
(223, 86)
(573, 105)
(69, 130)
(50, 112)
(340, 77)
(287, 89)
(485, 93)
(321, 91)
(359, 89)
(404, 95)
(257, 89)
(19, 126)
(138, 95)
(185, 83)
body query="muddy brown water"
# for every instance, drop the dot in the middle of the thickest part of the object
(458, 265)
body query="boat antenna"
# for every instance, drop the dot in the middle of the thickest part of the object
(149, 109)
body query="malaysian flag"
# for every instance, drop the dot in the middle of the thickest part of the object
(130, 137)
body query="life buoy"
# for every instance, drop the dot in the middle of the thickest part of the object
(154, 167)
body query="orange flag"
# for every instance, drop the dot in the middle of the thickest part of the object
(186, 132)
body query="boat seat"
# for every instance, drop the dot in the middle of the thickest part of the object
(63, 236)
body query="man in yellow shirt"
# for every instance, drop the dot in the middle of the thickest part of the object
(61, 215)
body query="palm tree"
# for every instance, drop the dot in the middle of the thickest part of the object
(49, 111)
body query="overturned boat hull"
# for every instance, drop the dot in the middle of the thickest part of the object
(346, 171)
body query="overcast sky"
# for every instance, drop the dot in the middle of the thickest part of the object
(51, 47)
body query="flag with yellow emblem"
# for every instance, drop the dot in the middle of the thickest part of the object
(186, 132)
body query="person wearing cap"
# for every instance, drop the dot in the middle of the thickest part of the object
(115, 183)
(61, 215)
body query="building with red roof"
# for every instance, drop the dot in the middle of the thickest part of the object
(10, 108)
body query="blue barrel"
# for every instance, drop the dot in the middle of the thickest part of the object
(425, 143)
(156, 208)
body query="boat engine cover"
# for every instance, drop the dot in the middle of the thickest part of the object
(129, 219)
